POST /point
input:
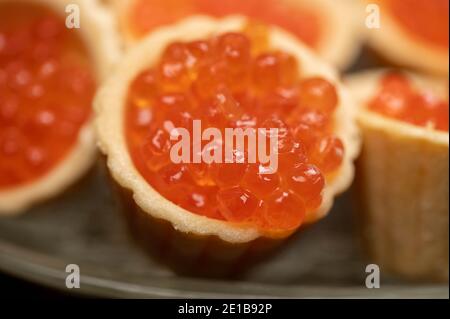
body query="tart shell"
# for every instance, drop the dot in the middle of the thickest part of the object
(342, 37)
(96, 29)
(189, 253)
(403, 185)
(196, 230)
(397, 45)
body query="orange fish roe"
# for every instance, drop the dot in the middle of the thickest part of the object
(46, 88)
(399, 99)
(145, 15)
(426, 20)
(225, 83)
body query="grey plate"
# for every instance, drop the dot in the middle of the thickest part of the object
(85, 227)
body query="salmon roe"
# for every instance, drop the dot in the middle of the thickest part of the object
(226, 83)
(426, 20)
(304, 22)
(398, 98)
(46, 88)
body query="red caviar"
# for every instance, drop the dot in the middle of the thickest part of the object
(426, 20)
(398, 98)
(304, 22)
(228, 84)
(46, 88)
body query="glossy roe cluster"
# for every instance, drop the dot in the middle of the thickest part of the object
(398, 98)
(46, 89)
(235, 80)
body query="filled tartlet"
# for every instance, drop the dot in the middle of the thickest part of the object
(402, 174)
(48, 76)
(319, 24)
(224, 74)
(413, 33)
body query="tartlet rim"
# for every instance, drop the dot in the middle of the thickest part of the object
(340, 46)
(397, 45)
(363, 86)
(109, 105)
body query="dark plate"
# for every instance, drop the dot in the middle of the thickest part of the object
(85, 227)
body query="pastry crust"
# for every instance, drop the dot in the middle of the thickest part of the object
(342, 27)
(110, 104)
(343, 34)
(403, 184)
(96, 30)
(397, 45)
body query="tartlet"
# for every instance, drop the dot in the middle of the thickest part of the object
(402, 182)
(413, 34)
(96, 47)
(319, 24)
(190, 242)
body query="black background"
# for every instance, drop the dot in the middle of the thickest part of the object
(11, 287)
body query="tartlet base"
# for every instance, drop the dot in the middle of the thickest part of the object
(191, 254)
(402, 183)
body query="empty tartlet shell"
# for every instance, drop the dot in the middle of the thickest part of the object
(403, 184)
(342, 27)
(102, 43)
(167, 222)
(397, 45)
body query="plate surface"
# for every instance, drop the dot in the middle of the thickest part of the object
(85, 227)
(79, 228)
